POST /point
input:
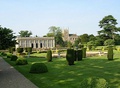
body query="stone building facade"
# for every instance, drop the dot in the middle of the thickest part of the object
(35, 42)
(69, 37)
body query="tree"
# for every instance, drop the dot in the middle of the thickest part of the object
(25, 33)
(109, 42)
(56, 32)
(109, 29)
(7, 38)
(84, 38)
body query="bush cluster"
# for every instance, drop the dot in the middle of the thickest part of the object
(19, 50)
(14, 58)
(94, 82)
(49, 55)
(21, 61)
(38, 68)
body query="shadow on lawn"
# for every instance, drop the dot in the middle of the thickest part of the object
(73, 75)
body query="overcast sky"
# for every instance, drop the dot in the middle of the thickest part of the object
(80, 16)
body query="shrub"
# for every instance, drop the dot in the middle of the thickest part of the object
(19, 50)
(70, 56)
(14, 58)
(9, 55)
(21, 61)
(79, 53)
(11, 49)
(38, 68)
(28, 49)
(84, 52)
(94, 82)
(110, 53)
(3, 54)
(49, 55)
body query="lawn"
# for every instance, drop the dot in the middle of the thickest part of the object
(60, 75)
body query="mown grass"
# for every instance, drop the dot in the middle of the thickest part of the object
(60, 75)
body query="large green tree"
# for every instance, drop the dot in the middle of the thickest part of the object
(7, 38)
(84, 38)
(109, 29)
(25, 33)
(56, 32)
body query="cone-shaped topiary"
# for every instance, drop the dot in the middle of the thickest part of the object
(38, 68)
(21, 61)
(110, 53)
(94, 82)
(70, 56)
(79, 53)
(14, 58)
(84, 52)
(49, 55)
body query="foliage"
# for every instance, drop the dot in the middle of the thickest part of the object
(28, 49)
(11, 49)
(109, 42)
(84, 38)
(19, 50)
(79, 53)
(25, 33)
(109, 29)
(70, 56)
(84, 52)
(9, 55)
(94, 82)
(38, 68)
(7, 38)
(14, 58)
(110, 53)
(21, 61)
(49, 55)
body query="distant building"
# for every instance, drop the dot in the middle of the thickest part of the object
(35, 42)
(69, 37)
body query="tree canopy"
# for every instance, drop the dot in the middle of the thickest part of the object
(25, 33)
(7, 38)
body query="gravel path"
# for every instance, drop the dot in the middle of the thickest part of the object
(11, 78)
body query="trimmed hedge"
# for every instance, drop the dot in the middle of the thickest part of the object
(70, 56)
(94, 82)
(9, 55)
(84, 52)
(14, 58)
(49, 55)
(21, 61)
(19, 50)
(79, 55)
(28, 49)
(11, 49)
(38, 68)
(110, 53)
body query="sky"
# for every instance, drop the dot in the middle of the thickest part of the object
(79, 16)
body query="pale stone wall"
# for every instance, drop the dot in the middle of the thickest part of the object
(36, 42)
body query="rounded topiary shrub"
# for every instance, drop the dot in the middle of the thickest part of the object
(49, 55)
(38, 68)
(9, 55)
(29, 49)
(14, 58)
(21, 61)
(19, 50)
(94, 82)
(110, 53)
(70, 56)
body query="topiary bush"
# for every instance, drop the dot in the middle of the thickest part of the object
(79, 53)
(38, 68)
(11, 49)
(14, 58)
(94, 82)
(110, 53)
(19, 50)
(49, 55)
(21, 61)
(70, 56)
(84, 52)
(9, 55)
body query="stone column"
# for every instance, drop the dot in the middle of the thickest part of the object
(34, 44)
